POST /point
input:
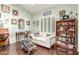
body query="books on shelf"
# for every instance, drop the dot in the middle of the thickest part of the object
(66, 31)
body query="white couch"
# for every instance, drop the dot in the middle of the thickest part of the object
(44, 39)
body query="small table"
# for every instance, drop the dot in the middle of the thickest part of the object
(17, 35)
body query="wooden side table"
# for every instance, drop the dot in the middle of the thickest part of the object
(18, 37)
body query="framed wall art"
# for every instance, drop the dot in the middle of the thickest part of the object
(5, 8)
(28, 23)
(62, 12)
(34, 23)
(15, 12)
(13, 21)
(37, 22)
(21, 24)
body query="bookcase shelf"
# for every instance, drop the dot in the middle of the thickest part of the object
(66, 34)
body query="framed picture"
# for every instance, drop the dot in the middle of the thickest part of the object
(33, 22)
(37, 22)
(15, 12)
(13, 21)
(5, 8)
(62, 12)
(28, 23)
(21, 24)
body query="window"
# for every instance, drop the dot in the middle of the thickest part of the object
(48, 24)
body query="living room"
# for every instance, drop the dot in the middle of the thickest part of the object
(40, 21)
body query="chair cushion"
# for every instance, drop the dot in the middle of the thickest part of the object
(24, 42)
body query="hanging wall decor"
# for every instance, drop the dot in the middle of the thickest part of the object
(37, 22)
(15, 12)
(21, 24)
(13, 21)
(5, 8)
(34, 23)
(62, 13)
(28, 23)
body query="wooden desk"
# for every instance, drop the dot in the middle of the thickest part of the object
(21, 33)
(17, 36)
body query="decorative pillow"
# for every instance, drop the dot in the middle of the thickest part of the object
(43, 34)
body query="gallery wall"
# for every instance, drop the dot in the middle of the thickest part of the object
(13, 28)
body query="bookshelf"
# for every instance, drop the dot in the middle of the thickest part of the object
(66, 34)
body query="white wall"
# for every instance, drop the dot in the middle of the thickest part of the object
(14, 28)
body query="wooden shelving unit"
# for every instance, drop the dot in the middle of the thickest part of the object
(66, 35)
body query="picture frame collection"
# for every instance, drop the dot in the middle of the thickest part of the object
(6, 9)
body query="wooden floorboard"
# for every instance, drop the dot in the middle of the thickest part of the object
(16, 50)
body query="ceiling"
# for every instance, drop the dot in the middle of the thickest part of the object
(34, 8)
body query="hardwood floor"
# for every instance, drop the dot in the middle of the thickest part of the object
(15, 50)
